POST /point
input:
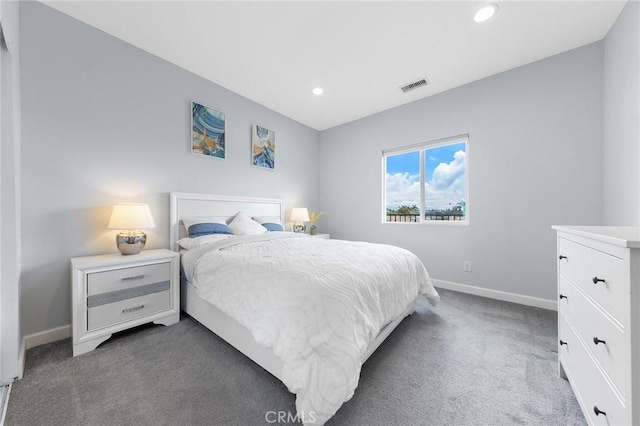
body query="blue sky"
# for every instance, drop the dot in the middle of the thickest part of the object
(410, 162)
(444, 177)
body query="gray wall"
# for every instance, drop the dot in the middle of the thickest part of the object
(534, 160)
(104, 122)
(622, 119)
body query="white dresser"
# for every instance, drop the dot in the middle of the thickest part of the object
(599, 320)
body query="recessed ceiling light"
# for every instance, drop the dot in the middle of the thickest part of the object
(317, 91)
(485, 13)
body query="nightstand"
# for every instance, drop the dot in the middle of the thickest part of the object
(325, 236)
(114, 292)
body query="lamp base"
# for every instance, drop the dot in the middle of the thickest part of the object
(131, 242)
(299, 227)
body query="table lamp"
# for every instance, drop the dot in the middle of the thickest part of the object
(131, 218)
(299, 215)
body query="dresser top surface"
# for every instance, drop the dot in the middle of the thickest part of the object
(624, 236)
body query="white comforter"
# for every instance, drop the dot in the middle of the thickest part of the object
(317, 303)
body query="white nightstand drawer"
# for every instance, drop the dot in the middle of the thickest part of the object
(126, 310)
(588, 383)
(583, 265)
(124, 278)
(590, 323)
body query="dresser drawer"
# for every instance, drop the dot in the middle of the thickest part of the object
(588, 383)
(118, 279)
(126, 310)
(581, 264)
(589, 322)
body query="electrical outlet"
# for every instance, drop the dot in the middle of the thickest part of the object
(467, 266)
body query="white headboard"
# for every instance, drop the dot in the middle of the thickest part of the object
(185, 205)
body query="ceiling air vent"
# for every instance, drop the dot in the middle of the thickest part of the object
(415, 85)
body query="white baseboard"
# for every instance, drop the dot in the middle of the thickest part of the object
(47, 336)
(537, 302)
(37, 339)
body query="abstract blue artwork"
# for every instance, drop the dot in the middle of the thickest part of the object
(263, 144)
(207, 131)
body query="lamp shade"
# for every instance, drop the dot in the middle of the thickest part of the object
(300, 214)
(131, 216)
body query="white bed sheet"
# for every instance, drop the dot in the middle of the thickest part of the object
(316, 303)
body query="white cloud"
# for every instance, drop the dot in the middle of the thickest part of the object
(447, 184)
(444, 189)
(402, 189)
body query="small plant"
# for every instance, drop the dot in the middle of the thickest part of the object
(313, 217)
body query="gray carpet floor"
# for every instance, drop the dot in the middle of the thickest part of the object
(469, 361)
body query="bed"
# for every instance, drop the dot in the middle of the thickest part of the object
(321, 369)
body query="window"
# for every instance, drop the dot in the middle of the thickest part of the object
(427, 183)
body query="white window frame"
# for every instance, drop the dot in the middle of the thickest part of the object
(422, 147)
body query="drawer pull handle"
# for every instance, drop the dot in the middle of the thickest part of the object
(135, 308)
(135, 277)
(596, 341)
(598, 411)
(562, 342)
(562, 296)
(562, 257)
(597, 280)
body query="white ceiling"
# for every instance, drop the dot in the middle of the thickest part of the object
(360, 52)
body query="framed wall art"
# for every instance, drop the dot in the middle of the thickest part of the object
(263, 147)
(207, 131)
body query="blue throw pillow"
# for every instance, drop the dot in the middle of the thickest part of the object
(273, 227)
(200, 229)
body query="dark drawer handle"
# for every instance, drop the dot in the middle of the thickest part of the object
(597, 280)
(562, 342)
(562, 296)
(135, 308)
(135, 277)
(562, 257)
(596, 341)
(598, 411)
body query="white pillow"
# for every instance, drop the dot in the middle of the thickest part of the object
(191, 243)
(244, 225)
